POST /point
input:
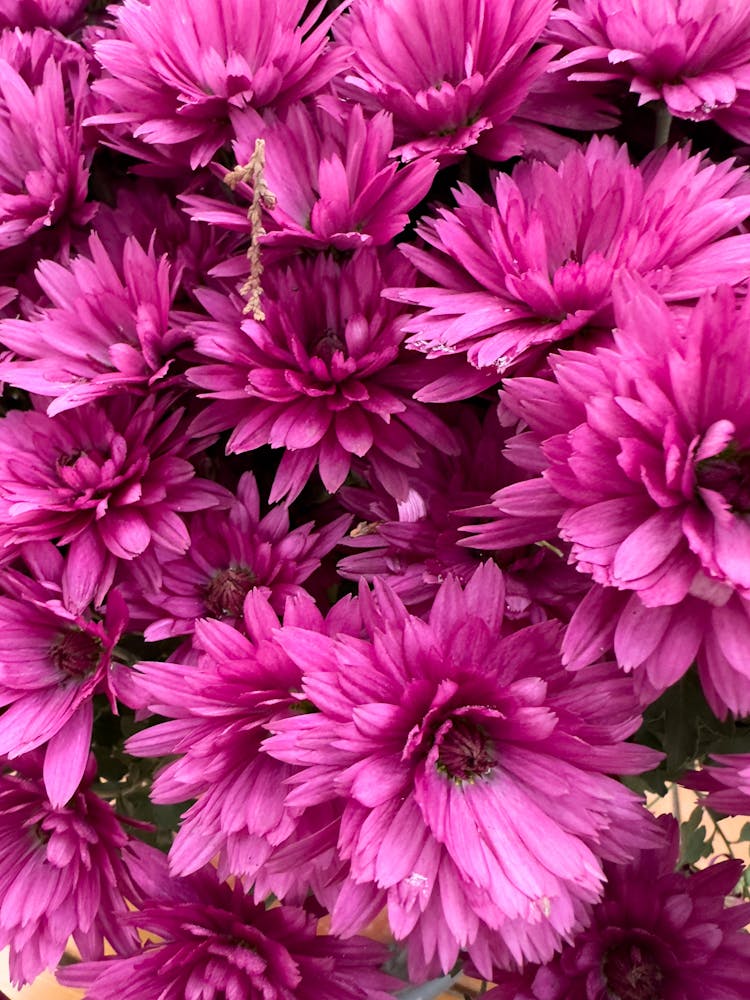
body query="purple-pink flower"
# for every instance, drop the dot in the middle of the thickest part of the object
(323, 377)
(506, 280)
(26, 14)
(474, 769)
(657, 934)
(726, 778)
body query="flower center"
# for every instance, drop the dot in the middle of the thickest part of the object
(632, 973)
(327, 345)
(466, 752)
(76, 653)
(227, 590)
(727, 473)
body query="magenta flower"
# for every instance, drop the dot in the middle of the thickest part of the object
(107, 479)
(644, 449)
(210, 942)
(322, 377)
(693, 56)
(727, 781)
(44, 175)
(658, 934)
(62, 873)
(508, 279)
(53, 661)
(106, 329)
(452, 72)
(26, 14)
(332, 176)
(175, 69)
(474, 768)
(231, 553)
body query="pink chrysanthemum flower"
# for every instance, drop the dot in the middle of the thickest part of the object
(452, 72)
(208, 941)
(26, 14)
(322, 377)
(694, 56)
(44, 173)
(220, 709)
(727, 780)
(175, 69)
(334, 183)
(537, 266)
(475, 772)
(658, 934)
(106, 329)
(62, 873)
(107, 479)
(645, 451)
(53, 661)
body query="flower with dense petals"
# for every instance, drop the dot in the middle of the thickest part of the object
(44, 170)
(645, 449)
(452, 72)
(53, 661)
(175, 69)
(692, 54)
(220, 708)
(658, 934)
(106, 329)
(210, 942)
(332, 178)
(537, 266)
(727, 781)
(322, 377)
(474, 769)
(108, 479)
(231, 553)
(62, 872)
(25, 14)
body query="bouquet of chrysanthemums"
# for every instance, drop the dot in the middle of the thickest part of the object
(375, 498)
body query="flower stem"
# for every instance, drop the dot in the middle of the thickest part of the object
(663, 125)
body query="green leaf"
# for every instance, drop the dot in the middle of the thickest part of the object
(695, 842)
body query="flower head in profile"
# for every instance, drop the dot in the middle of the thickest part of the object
(504, 280)
(657, 934)
(104, 328)
(645, 452)
(474, 769)
(26, 14)
(451, 72)
(62, 873)
(322, 377)
(175, 69)
(695, 57)
(107, 479)
(208, 941)
(726, 778)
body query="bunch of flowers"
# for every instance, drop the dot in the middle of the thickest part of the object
(374, 497)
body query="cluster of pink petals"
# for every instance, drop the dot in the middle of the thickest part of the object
(455, 79)
(26, 14)
(322, 377)
(694, 55)
(727, 781)
(456, 753)
(644, 451)
(176, 69)
(535, 268)
(658, 934)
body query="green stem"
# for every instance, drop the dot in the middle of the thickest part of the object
(663, 125)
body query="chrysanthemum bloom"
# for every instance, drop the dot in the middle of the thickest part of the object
(106, 329)
(474, 767)
(176, 68)
(44, 175)
(220, 708)
(27, 14)
(210, 942)
(727, 780)
(332, 178)
(53, 661)
(645, 450)
(452, 72)
(414, 544)
(694, 56)
(658, 934)
(62, 873)
(107, 479)
(537, 266)
(322, 377)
